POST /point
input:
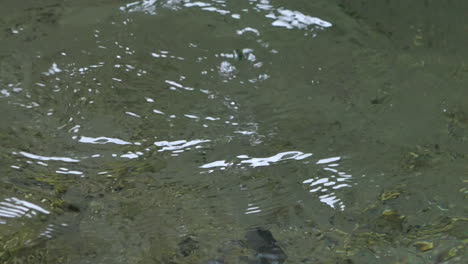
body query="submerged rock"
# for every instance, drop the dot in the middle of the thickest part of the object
(265, 246)
(257, 240)
(424, 246)
(187, 246)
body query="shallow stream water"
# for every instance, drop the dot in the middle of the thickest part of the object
(247, 131)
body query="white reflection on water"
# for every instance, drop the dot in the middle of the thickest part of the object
(4, 92)
(132, 114)
(15, 208)
(67, 171)
(164, 54)
(178, 144)
(248, 29)
(282, 17)
(244, 132)
(336, 180)
(260, 162)
(324, 186)
(51, 229)
(219, 163)
(53, 70)
(227, 70)
(289, 155)
(175, 85)
(328, 160)
(252, 209)
(44, 158)
(156, 111)
(103, 140)
(147, 6)
(191, 116)
(294, 19)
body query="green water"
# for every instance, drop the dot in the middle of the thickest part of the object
(165, 131)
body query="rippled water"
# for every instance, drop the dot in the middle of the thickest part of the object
(253, 131)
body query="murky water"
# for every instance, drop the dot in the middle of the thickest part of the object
(250, 131)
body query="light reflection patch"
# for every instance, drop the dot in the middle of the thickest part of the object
(15, 208)
(324, 187)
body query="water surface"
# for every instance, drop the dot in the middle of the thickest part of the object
(253, 131)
